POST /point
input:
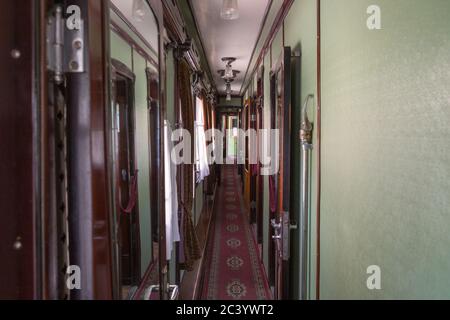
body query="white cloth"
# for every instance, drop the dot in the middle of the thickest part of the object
(201, 158)
(171, 194)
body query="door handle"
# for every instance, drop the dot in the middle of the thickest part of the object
(124, 175)
(275, 225)
(293, 225)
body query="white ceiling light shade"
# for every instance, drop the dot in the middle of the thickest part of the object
(139, 10)
(230, 10)
(229, 97)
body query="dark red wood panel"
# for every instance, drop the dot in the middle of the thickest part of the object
(18, 156)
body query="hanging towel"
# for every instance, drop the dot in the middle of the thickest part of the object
(171, 195)
(201, 157)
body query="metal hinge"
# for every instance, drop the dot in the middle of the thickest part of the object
(65, 46)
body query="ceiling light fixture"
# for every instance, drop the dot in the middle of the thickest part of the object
(222, 74)
(139, 10)
(228, 75)
(228, 88)
(230, 10)
(228, 72)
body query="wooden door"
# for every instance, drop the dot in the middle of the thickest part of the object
(281, 120)
(247, 168)
(253, 171)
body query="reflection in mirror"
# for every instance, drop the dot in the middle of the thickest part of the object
(134, 47)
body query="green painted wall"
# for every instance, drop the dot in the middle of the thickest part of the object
(277, 47)
(300, 35)
(120, 50)
(386, 150)
(385, 113)
(143, 159)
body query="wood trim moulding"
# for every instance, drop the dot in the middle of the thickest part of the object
(192, 58)
(202, 47)
(174, 22)
(177, 33)
(278, 23)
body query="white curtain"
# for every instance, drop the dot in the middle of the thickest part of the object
(201, 158)
(171, 196)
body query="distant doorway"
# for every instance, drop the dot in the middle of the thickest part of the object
(232, 135)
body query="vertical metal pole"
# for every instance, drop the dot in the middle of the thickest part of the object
(306, 140)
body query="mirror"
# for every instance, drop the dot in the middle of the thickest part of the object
(134, 51)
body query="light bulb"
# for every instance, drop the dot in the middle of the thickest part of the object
(139, 10)
(230, 10)
(228, 97)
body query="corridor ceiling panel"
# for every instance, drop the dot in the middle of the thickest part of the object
(229, 38)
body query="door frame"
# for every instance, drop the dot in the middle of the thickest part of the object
(259, 178)
(283, 110)
(22, 202)
(120, 69)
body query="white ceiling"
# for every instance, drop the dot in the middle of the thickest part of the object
(223, 38)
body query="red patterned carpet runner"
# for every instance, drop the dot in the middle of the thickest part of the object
(233, 267)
